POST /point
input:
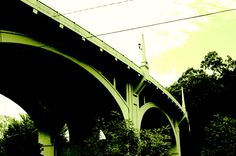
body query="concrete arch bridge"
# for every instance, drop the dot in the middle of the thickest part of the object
(59, 74)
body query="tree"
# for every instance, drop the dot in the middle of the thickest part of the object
(155, 141)
(119, 139)
(20, 138)
(219, 137)
(4, 122)
(214, 63)
(122, 139)
(208, 91)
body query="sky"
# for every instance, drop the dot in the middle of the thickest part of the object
(10, 108)
(171, 48)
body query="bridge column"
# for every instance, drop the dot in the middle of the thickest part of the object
(177, 133)
(176, 151)
(46, 141)
(133, 104)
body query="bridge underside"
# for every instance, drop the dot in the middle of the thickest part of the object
(52, 90)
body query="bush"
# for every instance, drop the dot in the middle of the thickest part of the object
(20, 138)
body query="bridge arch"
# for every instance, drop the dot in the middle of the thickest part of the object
(150, 105)
(21, 39)
(174, 125)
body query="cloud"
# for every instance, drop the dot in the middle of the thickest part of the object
(166, 79)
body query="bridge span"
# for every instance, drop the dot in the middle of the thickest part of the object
(61, 74)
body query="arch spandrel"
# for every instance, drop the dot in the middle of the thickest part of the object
(18, 38)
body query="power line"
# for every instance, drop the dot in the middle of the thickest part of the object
(97, 7)
(160, 23)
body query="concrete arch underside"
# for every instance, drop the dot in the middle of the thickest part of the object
(148, 106)
(164, 119)
(53, 87)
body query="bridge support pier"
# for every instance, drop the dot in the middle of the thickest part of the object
(46, 141)
(177, 151)
(133, 104)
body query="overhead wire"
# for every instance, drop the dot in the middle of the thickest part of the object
(87, 9)
(161, 23)
(97, 7)
(143, 26)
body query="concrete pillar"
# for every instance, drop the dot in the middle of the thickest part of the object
(177, 131)
(173, 151)
(46, 142)
(133, 104)
(176, 151)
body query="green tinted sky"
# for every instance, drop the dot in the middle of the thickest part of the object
(218, 34)
(171, 48)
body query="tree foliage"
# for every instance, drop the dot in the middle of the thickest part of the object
(119, 139)
(219, 137)
(20, 138)
(208, 90)
(4, 122)
(155, 141)
(122, 139)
